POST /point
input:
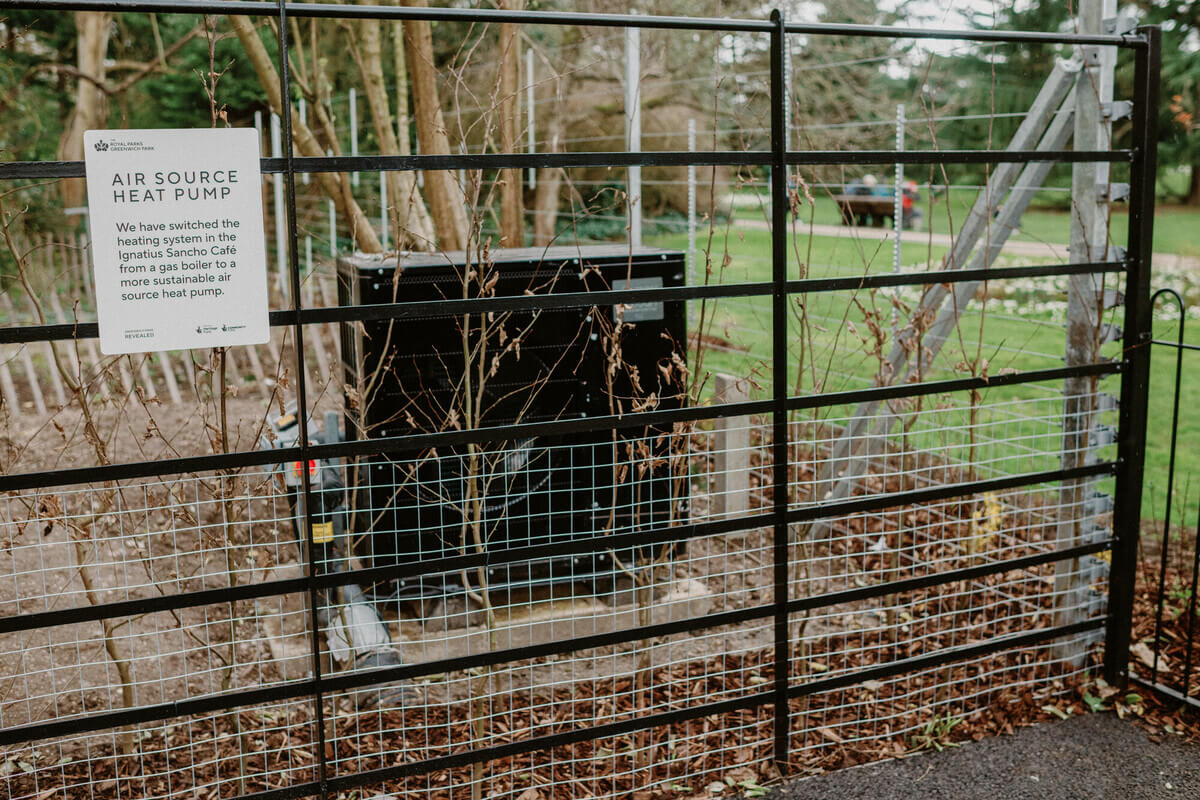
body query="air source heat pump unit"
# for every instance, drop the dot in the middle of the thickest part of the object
(444, 372)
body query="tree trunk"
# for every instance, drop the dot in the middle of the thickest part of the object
(334, 184)
(403, 126)
(1193, 196)
(407, 212)
(512, 224)
(91, 105)
(445, 196)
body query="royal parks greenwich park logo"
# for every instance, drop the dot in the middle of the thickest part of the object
(120, 146)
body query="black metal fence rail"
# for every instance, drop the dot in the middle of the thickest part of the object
(1133, 368)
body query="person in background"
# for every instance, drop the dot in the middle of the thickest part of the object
(859, 187)
(908, 204)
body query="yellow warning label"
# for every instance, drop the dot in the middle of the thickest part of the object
(322, 532)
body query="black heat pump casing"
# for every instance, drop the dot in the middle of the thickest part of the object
(540, 490)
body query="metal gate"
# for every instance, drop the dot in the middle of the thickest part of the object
(828, 633)
(1169, 663)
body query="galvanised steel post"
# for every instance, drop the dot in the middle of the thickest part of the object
(779, 356)
(1135, 384)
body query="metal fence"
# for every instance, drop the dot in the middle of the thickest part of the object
(788, 575)
(1170, 663)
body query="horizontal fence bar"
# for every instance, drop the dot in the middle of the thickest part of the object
(949, 276)
(945, 491)
(419, 441)
(1163, 689)
(916, 157)
(333, 11)
(969, 35)
(19, 334)
(33, 170)
(363, 679)
(452, 161)
(501, 557)
(1176, 345)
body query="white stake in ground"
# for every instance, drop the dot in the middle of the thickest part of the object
(529, 113)
(280, 222)
(633, 129)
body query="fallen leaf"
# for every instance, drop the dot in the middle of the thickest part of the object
(1145, 655)
(830, 735)
(1058, 712)
(740, 774)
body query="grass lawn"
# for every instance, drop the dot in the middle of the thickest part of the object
(838, 355)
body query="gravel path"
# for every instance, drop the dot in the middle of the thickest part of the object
(1093, 756)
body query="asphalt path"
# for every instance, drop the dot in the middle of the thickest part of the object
(1091, 756)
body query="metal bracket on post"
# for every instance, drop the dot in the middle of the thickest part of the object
(1116, 110)
(1120, 25)
(1112, 192)
(1110, 333)
(1102, 436)
(1093, 533)
(1098, 504)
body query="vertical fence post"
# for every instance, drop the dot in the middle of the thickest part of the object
(280, 224)
(383, 210)
(332, 224)
(729, 490)
(633, 127)
(529, 116)
(303, 112)
(1135, 382)
(354, 132)
(779, 356)
(304, 512)
(691, 212)
(897, 214)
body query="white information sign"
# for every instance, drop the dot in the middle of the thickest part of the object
(177, 238)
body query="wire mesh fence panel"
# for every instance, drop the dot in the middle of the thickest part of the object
(583, 460)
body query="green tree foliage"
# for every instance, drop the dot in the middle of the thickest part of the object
(175, 97)
(34, 96)
(1179, 122)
